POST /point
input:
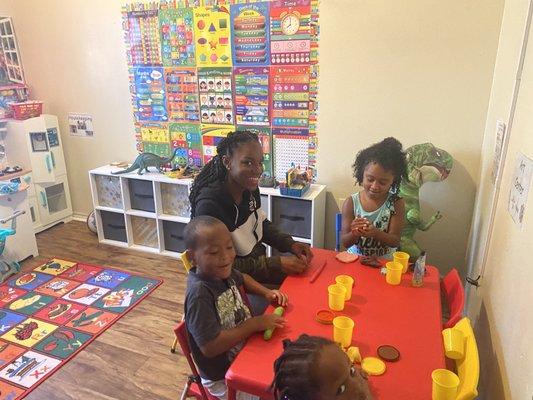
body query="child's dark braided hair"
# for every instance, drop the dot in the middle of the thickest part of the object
(292, 370)
(214, 170)
(387, 153)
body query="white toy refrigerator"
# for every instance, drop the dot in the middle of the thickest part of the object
(35, 143)
(14, 214)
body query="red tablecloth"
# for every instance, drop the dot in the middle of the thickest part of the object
(403, 316)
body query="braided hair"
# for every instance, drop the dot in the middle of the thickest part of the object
(387, 153)
(292, 370)
(214, 170)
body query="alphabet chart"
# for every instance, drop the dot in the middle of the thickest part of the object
(177, 44)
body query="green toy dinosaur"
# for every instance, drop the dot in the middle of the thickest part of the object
(145, 160)
(425, 163)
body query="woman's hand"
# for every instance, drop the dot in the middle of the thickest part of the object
(292, 265)
(302, 251)
(275, 295)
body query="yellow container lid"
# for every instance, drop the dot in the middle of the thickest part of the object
(373, 366)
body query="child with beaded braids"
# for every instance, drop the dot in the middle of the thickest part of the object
(372, 219)
(315, 368)
(227, 189)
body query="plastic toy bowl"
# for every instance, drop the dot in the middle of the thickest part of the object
(325, 316)
(373, 366)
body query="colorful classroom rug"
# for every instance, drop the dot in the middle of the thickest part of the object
(49, 314)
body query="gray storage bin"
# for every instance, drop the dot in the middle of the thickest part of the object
(141, 195)
(114, 226)
(173, 234)
(292, 216)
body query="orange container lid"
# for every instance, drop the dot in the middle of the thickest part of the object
(325, 316)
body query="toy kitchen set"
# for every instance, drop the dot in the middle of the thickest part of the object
(34, 193)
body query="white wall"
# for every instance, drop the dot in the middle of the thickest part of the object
(419, 70)
(501, 307)
(75, 61)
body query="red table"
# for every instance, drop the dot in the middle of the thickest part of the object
(403, 316)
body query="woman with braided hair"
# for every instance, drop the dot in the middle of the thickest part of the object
(227, 189)
(315, 368)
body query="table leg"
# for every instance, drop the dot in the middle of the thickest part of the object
(232, 393)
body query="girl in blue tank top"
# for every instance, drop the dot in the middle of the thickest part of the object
(372, 219)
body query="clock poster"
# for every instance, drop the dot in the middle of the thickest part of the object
(290, 41)
(200, 69)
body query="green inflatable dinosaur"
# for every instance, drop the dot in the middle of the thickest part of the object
(425, 163)
(145, 160)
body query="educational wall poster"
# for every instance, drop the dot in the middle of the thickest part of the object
(520, 188)
(154, 132)
(290, 96)
(155, 138)
(212, 36)
(150, 94)
(252, 96)
(290, 150)
(161, 149)
(78, 125)
(200, 69)
(182, 95)
(177, 37)
(216, 104)
(211, 137)
(290, 40)
(143, 33)
(188, 138)
(251, 31)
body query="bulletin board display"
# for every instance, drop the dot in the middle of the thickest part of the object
(200, 69)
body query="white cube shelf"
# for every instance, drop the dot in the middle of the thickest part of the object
(149, 212)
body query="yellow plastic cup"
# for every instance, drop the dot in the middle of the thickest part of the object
(454, 343)
(347, 282)
(336, 295)
(354, 354)
(402, 258)
(394, 273)
(445, 384)
(343, 330)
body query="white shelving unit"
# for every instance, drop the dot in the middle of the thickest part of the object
(149, 212)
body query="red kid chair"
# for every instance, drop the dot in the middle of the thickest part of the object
(454, 292)
(193, 387)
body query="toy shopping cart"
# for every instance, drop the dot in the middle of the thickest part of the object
(8, 267)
